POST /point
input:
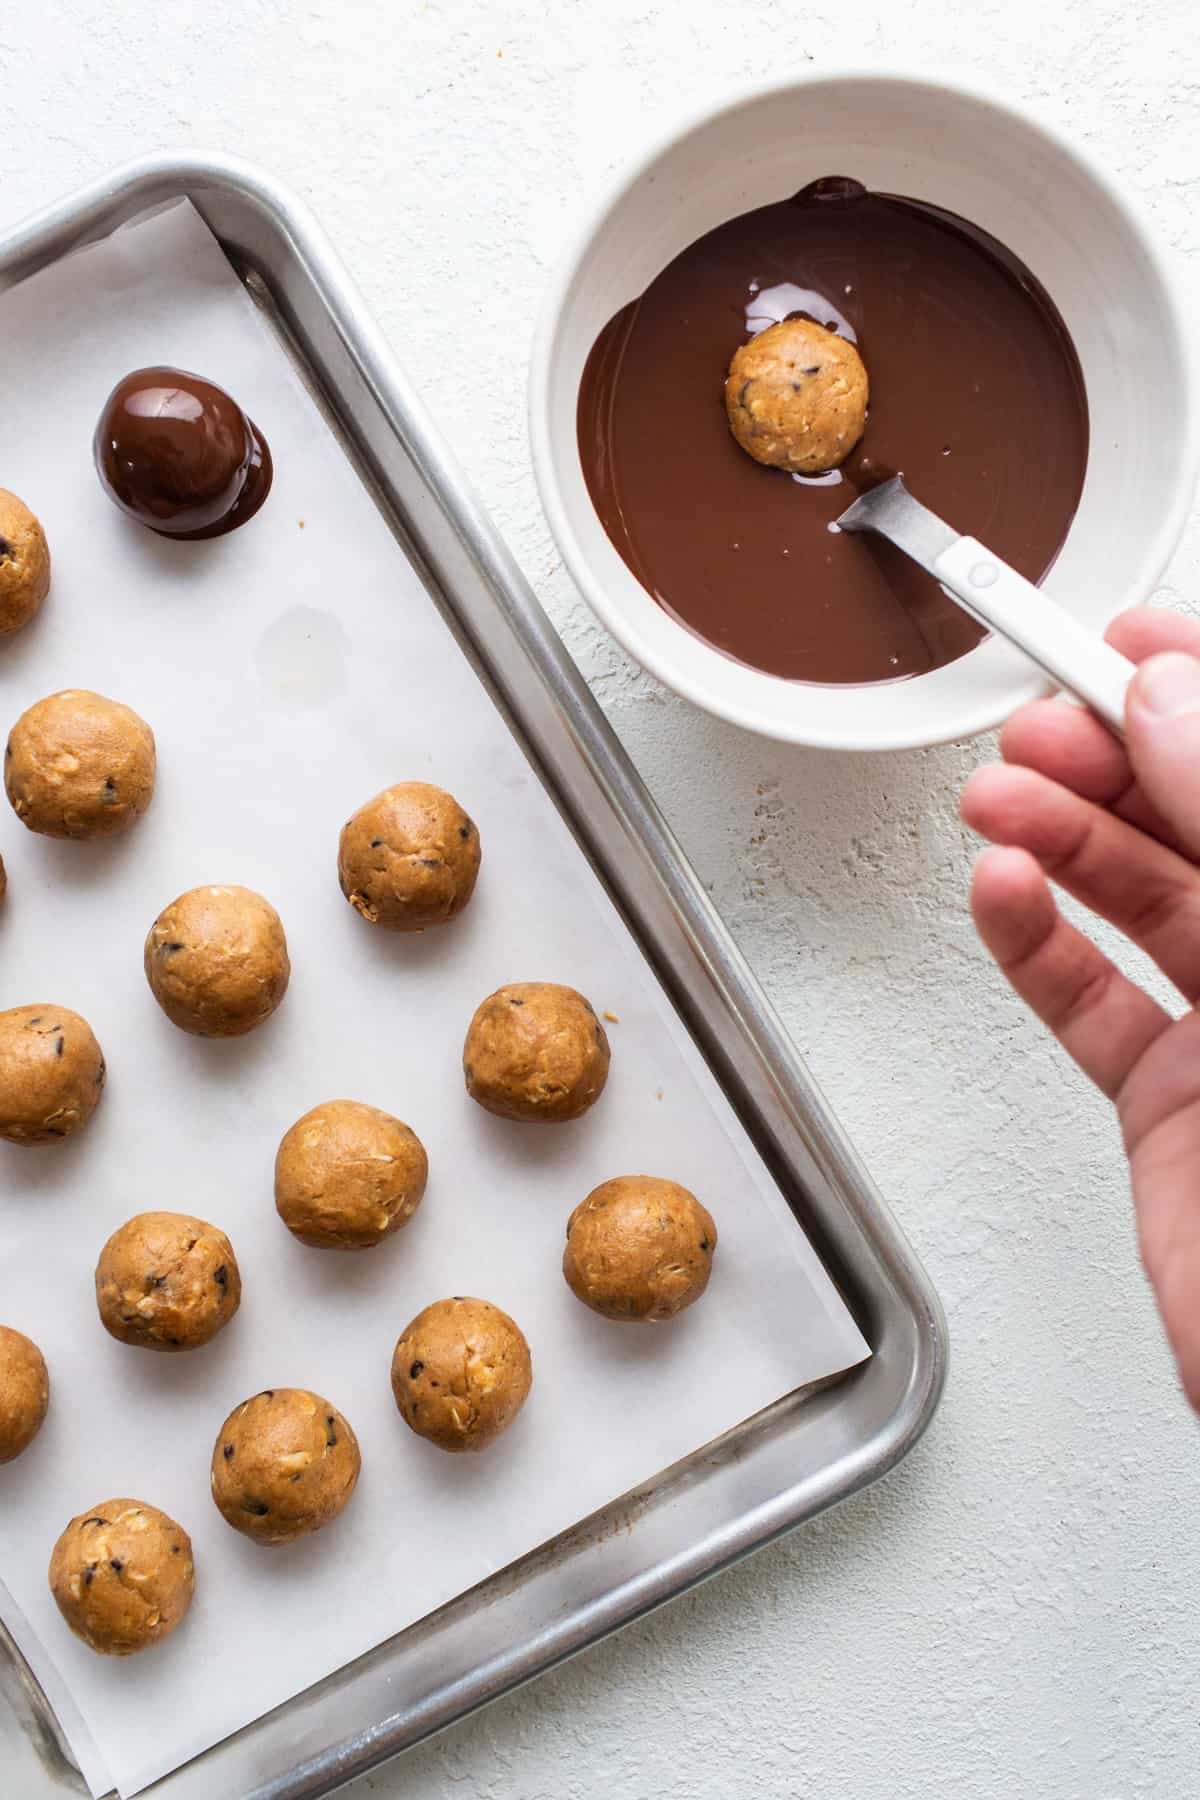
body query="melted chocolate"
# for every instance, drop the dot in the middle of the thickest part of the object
(976, 395)
(178, 454)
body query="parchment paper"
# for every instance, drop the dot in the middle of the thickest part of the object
(290, 671)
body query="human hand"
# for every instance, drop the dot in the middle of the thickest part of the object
(1118, 828)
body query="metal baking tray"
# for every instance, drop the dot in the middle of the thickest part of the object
(777, 1469)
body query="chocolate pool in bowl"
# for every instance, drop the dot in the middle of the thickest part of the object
(976, 395)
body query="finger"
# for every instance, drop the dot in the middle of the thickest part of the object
(1148, 630)
(1164, 1172)
(1165, 1164)
(1101, 1019)
(1169, 1239)
(1160, 1120)
(1143, 888)
(1069, 744)
(1162, 728)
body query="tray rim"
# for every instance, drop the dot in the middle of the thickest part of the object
(902, 1298)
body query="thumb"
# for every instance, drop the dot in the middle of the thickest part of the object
(1162, 724)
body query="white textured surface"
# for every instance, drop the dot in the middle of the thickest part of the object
(1014, 1612)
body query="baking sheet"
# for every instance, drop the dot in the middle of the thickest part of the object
(289, 671)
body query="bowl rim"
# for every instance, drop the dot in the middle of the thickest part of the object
(971, 717)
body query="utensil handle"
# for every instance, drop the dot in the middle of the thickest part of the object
(1069, 653)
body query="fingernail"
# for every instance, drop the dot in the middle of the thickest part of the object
(1169, 684)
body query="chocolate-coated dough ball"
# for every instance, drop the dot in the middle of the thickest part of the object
(796, 396)
(347, 1175)
(123, 1576)
(167, 1281)
(461, 1373)
(24, 1392)
(3, 879)
(408, 859)
(284, 1464)
(79, 766)
(536, 1051)
(639, 1248)
(24, 564)
(217, 961)
(178, 454)
(51, 1074)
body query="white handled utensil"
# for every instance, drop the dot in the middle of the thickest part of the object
(999, 598)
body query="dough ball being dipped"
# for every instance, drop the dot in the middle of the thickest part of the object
(24, 564)
(217, 961)
(285, 1463)
(409, 858)
(461, 1373)
(122, 1575)
(24, 1392)
(639, 1248)
(79, 766)
(167, 1281)
(536, 1051)
(348, 1175)
(796, 397)
(51, 1074)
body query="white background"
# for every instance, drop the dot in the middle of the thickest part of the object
(1016, 1611)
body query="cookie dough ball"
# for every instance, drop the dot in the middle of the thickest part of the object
(284, 1464)
(348, 1175)
(796, 396)
(123, 1576)
(51, 1074)
(537, 1051)
(24, 1392)
(409, 858)
(167, 1281)
(217, 961)
(639, 1248)
(24, 564)
(460, 1373)
(79, 766)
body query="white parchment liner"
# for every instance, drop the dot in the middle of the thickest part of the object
(289, 671)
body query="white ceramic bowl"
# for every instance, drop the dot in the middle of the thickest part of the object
(1121, 297)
